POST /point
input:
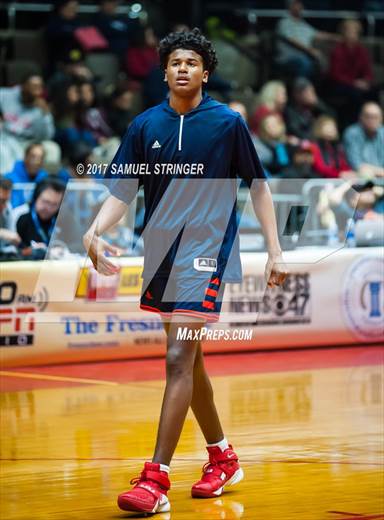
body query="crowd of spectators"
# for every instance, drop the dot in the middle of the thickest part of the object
(63, 117)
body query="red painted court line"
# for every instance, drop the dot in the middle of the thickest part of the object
(125, 371)
(356, 516)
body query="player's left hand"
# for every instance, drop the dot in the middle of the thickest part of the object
(276, 270)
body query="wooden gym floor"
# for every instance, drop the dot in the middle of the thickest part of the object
(307, 425)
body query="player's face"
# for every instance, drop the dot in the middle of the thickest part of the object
(185, 72)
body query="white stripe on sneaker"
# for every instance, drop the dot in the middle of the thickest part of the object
(236, 477)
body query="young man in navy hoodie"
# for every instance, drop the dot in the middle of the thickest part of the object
(187, 153)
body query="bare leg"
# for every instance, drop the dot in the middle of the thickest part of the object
(177, 398)
(203, 405)
(202, 402)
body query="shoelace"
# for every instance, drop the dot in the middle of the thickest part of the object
(216, 470)
(143, 478)
(136, 480)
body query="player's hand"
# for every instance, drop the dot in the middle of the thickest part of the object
(97, 249)
(276, 270)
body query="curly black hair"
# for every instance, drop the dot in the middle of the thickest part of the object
(193, 40)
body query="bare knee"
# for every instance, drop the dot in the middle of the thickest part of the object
(179, 360)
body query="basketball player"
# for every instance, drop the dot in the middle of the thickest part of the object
(186, 153)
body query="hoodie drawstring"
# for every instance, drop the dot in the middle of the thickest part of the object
(180, 131)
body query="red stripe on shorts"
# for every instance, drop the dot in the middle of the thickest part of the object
(208, 305)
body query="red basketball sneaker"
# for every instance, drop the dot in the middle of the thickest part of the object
(149, 495)
(222, 470)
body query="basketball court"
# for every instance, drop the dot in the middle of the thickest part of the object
(307, 426)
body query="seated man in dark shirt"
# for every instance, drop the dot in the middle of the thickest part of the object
(37, 227)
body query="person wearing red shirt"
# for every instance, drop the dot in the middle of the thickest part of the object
(329, 159)
(350, 70)
(142, 58)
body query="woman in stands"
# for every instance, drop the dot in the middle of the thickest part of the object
(272, 100)
(328, 152)
(271, 144)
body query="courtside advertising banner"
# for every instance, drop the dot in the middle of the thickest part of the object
(56, 311)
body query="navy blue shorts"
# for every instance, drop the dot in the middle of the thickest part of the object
(198, 297)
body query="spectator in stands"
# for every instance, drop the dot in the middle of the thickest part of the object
(117, 29)
(8, 235)
(59, 34)
(29, 170)
(328, 152)
(272, 100)
(95, 119)
(71, 68)
(338, 204)
(119, 109)
(240, 108)
(84, 203)
(301, 166)
(70, 118)
(36, 227)
(142, 57)
(297, 52)
(350, 67)
(304, 107)
(79, 154)
(364, 142)
(25, 112)
(271, 144)
(11, 148)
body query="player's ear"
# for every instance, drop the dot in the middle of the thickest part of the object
(205, 76)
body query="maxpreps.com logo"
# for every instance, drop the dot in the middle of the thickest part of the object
(17, 323)
(363, 298)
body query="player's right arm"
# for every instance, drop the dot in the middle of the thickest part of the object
(109, 215)
(122, 191)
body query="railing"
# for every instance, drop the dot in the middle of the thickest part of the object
(81, 210)
(133, 11)
(137, 10)
(253, 14)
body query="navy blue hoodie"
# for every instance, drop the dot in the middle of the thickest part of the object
(189, 166)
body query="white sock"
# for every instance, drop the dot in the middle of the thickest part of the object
(164, 467)
(223, 445)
